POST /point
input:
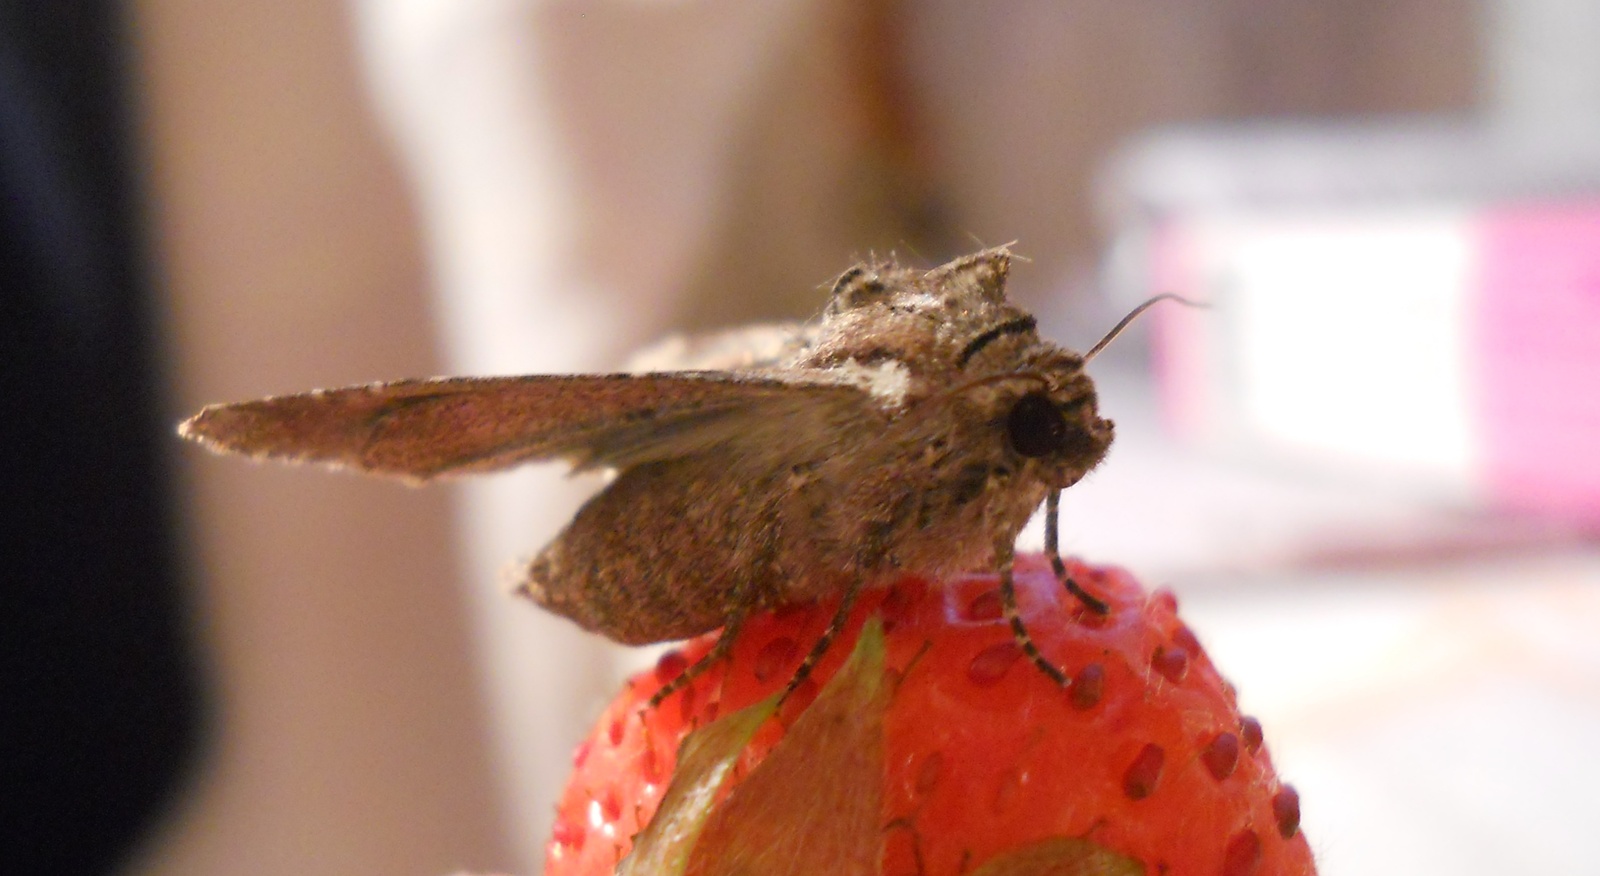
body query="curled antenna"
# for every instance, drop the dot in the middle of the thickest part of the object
(1134, 314)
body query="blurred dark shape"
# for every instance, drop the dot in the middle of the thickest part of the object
(101, 691)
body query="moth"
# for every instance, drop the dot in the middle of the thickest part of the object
(917, 424)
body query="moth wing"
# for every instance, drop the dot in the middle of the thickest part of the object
(420, 429)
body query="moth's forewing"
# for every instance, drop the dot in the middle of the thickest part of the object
(420, 429)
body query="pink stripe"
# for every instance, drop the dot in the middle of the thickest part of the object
(1178, 340)
(1538, 356)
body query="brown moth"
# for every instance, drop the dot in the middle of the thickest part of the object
(916, 425)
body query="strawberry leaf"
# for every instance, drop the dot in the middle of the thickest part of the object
(707, 757)
(814, 805)
(1062, 856)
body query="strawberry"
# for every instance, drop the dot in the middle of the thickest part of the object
(1144, 756)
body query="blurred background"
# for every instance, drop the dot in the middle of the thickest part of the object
(1368, 472)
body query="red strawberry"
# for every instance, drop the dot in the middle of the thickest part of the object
(1145, 755)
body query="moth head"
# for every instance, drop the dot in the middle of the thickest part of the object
(1059, 420)
(1059, 426)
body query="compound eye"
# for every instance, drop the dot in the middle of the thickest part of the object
(1035, 426)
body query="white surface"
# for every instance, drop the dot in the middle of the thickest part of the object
(1349, 336)
(1436, 720)
(1428, 678)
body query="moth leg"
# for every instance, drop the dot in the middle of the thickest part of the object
(1052, 515)
(1003, 554)
(730, 633)
(835, 626)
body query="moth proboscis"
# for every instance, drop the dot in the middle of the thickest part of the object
(917, 424)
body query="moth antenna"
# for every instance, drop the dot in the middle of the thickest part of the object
(1133, 315)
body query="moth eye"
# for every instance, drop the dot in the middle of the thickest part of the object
(1035, 426)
